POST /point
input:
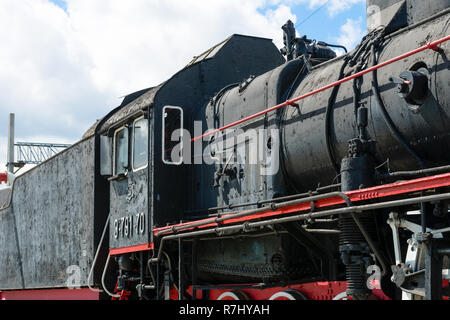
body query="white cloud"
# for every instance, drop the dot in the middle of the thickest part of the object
(145, 42)
(351, 33)
(62, 70)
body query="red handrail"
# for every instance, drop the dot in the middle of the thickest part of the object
(431, 45)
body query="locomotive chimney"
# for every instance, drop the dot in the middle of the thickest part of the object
(395, 14)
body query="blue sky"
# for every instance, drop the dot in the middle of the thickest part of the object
(321, 25)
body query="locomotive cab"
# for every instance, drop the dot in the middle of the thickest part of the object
(125, 161)
(147, 177)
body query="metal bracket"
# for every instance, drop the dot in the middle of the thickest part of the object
(167, 285)
(427, 275)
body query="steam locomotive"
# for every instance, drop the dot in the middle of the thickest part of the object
(254, 174)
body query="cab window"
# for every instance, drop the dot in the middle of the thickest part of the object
(121, 151)
(140, 144)
(172, 147)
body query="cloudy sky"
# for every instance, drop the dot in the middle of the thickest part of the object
(66, 63)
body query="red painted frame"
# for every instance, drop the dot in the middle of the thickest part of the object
(382, 191)
(387, 190)
(50, 294)
(136, 248)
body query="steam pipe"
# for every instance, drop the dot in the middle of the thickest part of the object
(408, 174)
(311, 215)
(257, 203)
(274, 206)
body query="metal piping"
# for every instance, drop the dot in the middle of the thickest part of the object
(333, 45)
(311, 215)
(274, 206)
(257, 203)
(323, 231)
(370, 243)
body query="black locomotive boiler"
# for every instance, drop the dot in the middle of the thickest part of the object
(255, 173)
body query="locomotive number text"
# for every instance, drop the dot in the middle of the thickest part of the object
(127, 226)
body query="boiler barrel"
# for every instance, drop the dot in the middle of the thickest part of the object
(425, 127)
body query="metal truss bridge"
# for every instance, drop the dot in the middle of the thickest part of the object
(35, 153)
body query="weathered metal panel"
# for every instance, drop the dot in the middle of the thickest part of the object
(5, 196)
(129, 210)
(53, 208)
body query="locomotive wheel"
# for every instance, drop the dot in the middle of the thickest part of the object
(288, 295)
(233, 295)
